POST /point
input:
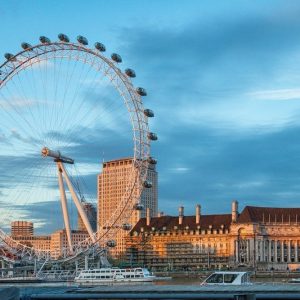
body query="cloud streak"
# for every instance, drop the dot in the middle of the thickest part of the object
(277, 95)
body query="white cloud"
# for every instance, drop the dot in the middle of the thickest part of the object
(240, 113)
(12, 103)
(36, 63)
(276, 95)
(179, 169)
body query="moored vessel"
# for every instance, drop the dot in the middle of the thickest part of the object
(114, 275)
(228, 278)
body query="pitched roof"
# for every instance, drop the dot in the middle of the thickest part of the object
(269, 214)
(169, 222)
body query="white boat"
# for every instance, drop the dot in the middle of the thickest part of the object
(294, 280)
(114, 275)
(228, 278)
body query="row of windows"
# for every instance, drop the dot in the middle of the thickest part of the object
(178, 233)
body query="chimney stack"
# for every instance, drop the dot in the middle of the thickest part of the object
(198, 213)
(181, 213)
(148, 216)
(234, 211)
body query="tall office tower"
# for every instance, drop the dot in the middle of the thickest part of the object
(21, 228)
(91, 213)
(112, 183)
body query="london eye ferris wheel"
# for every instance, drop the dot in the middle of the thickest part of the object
(63, 106)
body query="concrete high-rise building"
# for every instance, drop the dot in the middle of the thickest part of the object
(21, 228)
(91, 213)
(112, 184)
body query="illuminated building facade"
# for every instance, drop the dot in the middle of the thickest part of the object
(54, 243)
(91, 213)
(112, 184)
(21, 228)
(39, 242)
(259, 237)
(59, 241)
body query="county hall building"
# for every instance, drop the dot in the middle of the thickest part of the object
(263, 238)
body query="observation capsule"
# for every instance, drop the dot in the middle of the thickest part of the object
(126, 226)
(111, 243)
(44, 40)
(149, 113)
(82, 40)
(152, 136)
(147, 184)
(63, 38)
(26, 46)
(138, 206)
(100, 47)
(130, 73)
(152, 160)
(141, 91)
(116, 57)
(9, 56)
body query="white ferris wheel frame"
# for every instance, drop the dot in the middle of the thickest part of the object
(139, 121)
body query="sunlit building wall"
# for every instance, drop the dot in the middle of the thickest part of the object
(91, 213)
(59, 242)
(38, 242)
(112, 184)
(55, 243)
(263, 238)
(21, 228)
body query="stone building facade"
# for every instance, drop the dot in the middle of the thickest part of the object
(38, 242)
(267, 238)
(21, 228)
(59, 241)
(55, 243)
(91, 213)
(257, 238)
(112, 185)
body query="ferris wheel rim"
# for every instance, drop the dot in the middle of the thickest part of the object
(15, 65)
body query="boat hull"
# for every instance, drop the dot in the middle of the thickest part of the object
(110, 281)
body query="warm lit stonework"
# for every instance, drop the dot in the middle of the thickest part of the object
(21, 228)
(258, 237)
(112, 184)
(59, 241)
(55, 243)
(23, 232)
(38, 242)
(91, 214)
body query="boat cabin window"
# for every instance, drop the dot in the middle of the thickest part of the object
(215, 278)
(229, 278)
(245, 278)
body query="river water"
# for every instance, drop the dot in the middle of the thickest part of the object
(27, 289)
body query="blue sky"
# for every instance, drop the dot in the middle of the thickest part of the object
(222, 77)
